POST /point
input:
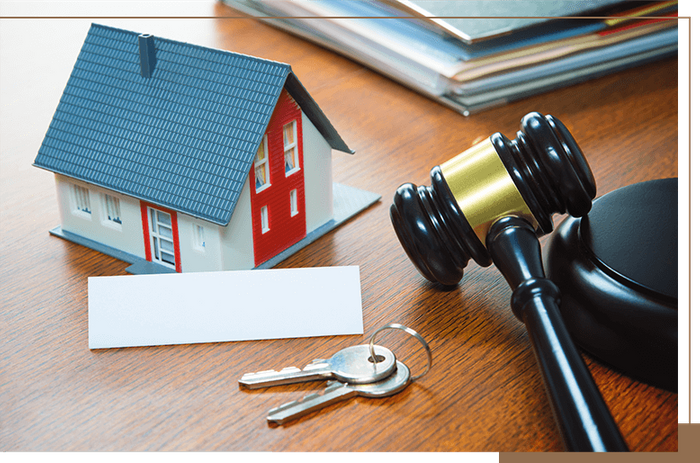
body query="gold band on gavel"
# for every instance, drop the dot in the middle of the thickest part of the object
(484, 189)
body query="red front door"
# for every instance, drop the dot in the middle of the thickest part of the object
(161, 236)
(277, 184)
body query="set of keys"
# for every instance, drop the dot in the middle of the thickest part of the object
(366, 370)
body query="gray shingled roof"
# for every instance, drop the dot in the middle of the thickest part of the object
(184, 138)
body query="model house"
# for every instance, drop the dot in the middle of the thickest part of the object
(189, 158)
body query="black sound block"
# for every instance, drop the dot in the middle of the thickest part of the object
(617, 269)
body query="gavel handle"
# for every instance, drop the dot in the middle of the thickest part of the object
(584, 420)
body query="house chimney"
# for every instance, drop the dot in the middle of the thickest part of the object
(147, 54)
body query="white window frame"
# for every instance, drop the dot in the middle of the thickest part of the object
(290, 148)
(155, 227)
(264, 220)
(293, 203)
(199, 237)
(111, 212)
(263, 163)
(80, 201)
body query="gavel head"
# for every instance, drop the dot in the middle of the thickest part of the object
(540, 172)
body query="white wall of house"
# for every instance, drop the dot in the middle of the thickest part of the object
(318, 181)
(128, 236)
(95, 225)
(200, 245)
(237, 238)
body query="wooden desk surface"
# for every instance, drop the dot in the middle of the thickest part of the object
(484, 391)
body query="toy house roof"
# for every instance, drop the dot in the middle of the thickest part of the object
(171, 123)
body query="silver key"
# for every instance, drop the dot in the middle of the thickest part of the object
(337, 391)
(350, 365)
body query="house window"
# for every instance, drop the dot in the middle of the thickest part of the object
(291, 156)
(80, 197)
(163, 249)
(293, 208)
(264, 222)
(200, 242)
(262, 167)
(112, 211)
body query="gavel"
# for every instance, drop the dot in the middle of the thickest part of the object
(491, 204)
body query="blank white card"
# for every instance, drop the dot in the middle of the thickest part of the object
(184, 308)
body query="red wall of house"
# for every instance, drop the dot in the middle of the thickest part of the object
(284, 230)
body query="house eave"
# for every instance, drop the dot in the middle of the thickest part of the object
(313, 111)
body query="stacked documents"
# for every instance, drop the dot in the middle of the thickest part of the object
(472, 55)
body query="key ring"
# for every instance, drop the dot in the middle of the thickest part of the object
(410, 331)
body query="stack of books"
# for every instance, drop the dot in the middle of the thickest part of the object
(472, 55)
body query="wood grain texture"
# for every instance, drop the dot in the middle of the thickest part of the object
(484, 392)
